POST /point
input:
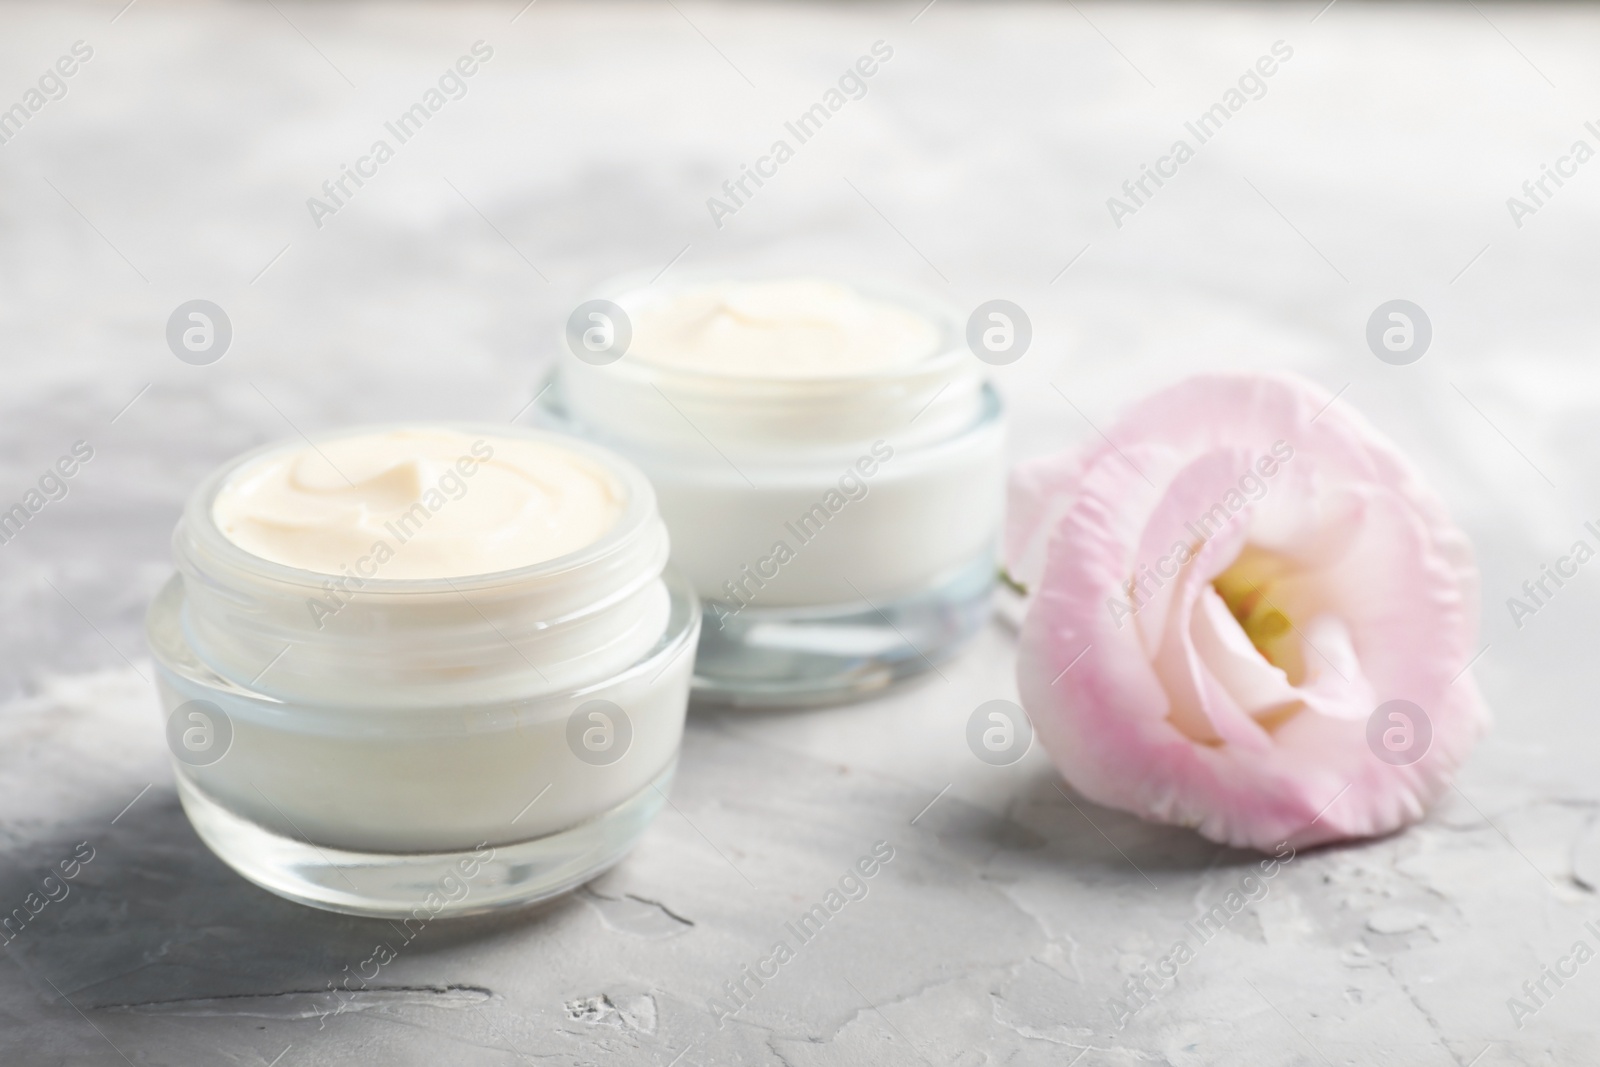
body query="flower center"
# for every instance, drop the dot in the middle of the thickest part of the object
(1252, 586)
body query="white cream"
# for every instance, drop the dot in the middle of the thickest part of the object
(792, 328)
(418, 503)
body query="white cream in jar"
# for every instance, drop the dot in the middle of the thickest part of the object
(459, 504)
(828, 460)
(792, 328)
(404, 634)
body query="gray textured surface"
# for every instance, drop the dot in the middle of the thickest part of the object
(1377, 166)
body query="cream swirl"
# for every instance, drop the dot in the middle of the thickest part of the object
(790, 328)
(421, 502)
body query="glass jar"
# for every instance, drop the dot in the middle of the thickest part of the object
(378, 745)
(840, 530)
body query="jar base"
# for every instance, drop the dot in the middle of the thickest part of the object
(387, 885)
(786, 657)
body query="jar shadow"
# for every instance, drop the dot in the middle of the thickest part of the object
(155, 924)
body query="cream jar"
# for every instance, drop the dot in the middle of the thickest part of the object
(423, 667)
(827, 458)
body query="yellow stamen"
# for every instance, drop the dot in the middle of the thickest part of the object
(1247, 588)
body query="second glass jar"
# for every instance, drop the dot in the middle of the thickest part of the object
(837, 519)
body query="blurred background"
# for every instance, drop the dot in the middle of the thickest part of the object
(177, 161)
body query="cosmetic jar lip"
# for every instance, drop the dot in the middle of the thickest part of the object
(421, 641)
(176, 654)
(797, 466)
(762, 416)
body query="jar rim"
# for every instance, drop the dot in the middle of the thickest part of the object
(554, 409)
(175, 653)
(198, 521)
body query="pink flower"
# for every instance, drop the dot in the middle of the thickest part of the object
(1222, 596)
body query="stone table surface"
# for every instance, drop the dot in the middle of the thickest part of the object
(1375, 164)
